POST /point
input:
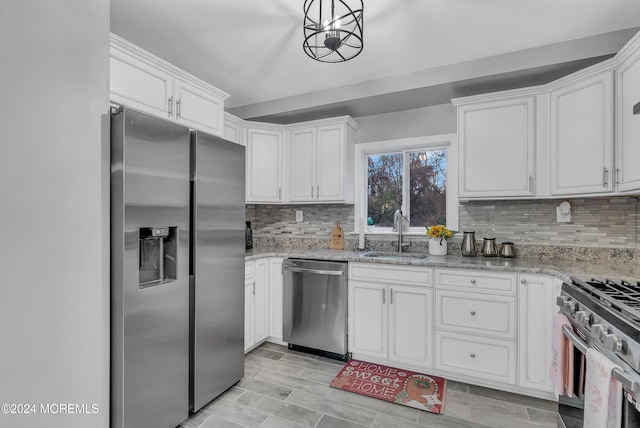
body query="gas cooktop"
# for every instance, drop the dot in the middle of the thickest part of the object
(622, 296)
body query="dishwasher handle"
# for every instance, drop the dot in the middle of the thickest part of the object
(314, 271)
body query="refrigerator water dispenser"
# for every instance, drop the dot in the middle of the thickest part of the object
(157, 261)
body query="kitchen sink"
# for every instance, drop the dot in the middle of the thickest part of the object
(391, 255)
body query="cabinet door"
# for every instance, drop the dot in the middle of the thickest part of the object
(198, 109)
(139, 85)
(628, 136)
(261, 302)
(233, 131)
(536, 296)
(411, 325)
(275, 297)
(249, 285)
(264, 154)
(496, 148)
(582, 136)
(303, 186)
(330, 163)
(367, 319)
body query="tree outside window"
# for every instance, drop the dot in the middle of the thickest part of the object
(422, 194)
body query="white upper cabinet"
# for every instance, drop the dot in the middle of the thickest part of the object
(334, 156)
(149, 84)
(582, 135)
(576, 136)
(264, 165)
(303, 183)
(496, 143)
(234, 129)
(628, 123)
(198, 108)
(139, 85)
(322, 161)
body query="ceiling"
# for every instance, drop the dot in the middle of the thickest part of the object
(416, 52)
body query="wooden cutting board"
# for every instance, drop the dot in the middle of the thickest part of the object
(337, 238)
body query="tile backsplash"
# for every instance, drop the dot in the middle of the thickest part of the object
(318, 220)
(596, 223)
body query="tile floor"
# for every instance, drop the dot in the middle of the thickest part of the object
(287, 389)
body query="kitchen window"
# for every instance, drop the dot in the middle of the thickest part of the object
(416, 175)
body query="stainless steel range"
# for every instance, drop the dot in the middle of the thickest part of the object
(605, 315)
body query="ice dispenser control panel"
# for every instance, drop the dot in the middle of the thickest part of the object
(157, 262)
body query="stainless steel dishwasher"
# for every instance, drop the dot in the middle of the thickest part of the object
(315, 307)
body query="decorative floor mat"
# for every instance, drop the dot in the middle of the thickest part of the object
(394, 385)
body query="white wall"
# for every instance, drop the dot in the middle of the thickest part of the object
(419, 122)
(54, 196)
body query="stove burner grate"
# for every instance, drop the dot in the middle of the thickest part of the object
(624, 296)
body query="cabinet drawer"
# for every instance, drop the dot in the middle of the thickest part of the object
(484, 358)
(248, 269)
(476, 313)
(475, 280)
(389, 273)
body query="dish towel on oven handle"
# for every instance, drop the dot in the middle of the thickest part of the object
(562, 354)
(603, 393)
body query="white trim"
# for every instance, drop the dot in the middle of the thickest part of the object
(362, 150)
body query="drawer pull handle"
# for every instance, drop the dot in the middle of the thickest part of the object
(473, 313)
(472, 355)
(473, 281)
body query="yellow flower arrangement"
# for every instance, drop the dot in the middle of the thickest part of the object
(440, 231)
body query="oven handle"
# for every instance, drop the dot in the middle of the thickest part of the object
(619, 375)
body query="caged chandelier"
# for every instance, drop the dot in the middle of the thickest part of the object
(333, 29)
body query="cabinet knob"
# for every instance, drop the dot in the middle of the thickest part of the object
(523, 281)
(473, 355)
(473, 281)
(473, 313)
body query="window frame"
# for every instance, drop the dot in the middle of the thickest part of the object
(405, 146)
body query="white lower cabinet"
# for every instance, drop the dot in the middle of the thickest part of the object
(411, 324)
(368, 318)
(249, 286)
(478, 326)
(536, 300)
(275, 298)
(256, 302)
(480, 357)
(476, 313)
(391, 319)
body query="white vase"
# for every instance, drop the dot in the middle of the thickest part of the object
(438, 247)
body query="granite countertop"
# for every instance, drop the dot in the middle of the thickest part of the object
(562, 269)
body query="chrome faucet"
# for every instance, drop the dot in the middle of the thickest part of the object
(399, 222)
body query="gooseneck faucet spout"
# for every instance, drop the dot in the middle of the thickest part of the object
(399, 222)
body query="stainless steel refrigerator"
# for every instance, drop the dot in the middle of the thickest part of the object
(177, 269)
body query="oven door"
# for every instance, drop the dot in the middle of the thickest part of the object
(571, 409)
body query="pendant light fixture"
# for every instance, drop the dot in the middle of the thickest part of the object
(333, 29)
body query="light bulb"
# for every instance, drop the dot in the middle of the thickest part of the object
(326, 25)
(337, 22)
